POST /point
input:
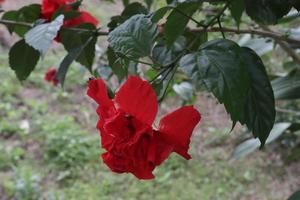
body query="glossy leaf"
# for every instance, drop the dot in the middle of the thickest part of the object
(237, 8)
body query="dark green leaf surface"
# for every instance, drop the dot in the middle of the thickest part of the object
(237, 77)
(295, 196)
(259, 112)
(177, 22)
(267, 11)
(220, 68)
(28, 14)
(72, 41)
(23, 59)
(67, 61)
(237, 8)
(135, 37)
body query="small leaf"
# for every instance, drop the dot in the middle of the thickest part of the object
(176, 21)
(237, 8)
(159, 14)
(163, 56)
(23, 59)
(135, 37)
(41, 36)
(118, 66)
(72, 41)
(67, 61)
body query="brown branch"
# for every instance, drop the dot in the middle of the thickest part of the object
(268, 34)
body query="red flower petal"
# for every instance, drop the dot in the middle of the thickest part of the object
(97, 91)
(176, 128)
(137, 98)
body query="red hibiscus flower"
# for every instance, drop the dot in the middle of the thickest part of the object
(50, 76)
(49, 7)
(126, 131)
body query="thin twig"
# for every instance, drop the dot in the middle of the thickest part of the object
(212, 21)
(190, 17)
(268, 34)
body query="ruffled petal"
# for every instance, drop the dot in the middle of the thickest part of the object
(177, 127)
(137, 98)
(97, 91)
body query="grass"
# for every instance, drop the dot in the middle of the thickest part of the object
(49, 149)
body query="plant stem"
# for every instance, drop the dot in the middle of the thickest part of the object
(212, 21)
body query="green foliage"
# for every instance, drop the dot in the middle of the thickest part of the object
(72, 41)
(29, 14)
(23, 59)
(178, 20)
(66, 149)
(236, 76)
(135, 37)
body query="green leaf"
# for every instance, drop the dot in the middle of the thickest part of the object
(165, 56)
(220, 68)
(135, 37)
(251, 145)
(237, 8)
(237, 77)
(287, 87)
(295, 196)
(73, 41)
(67, 61)
(267, 11)
(177, 22)
(118, 66)
(129, 11)
(159, 14)
(259, 112)
(23, 59)
(28, 14)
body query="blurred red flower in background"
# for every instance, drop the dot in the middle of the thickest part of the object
(126, 131)
(50, 76)
(49, 7)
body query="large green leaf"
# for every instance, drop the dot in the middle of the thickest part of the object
(135, 37)
(219, 67)
(267, 11)
(23, 59)
(287, 87)
(28, 14)
(72, 41)
(237, 77)
(177, 21)
(259, 112)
